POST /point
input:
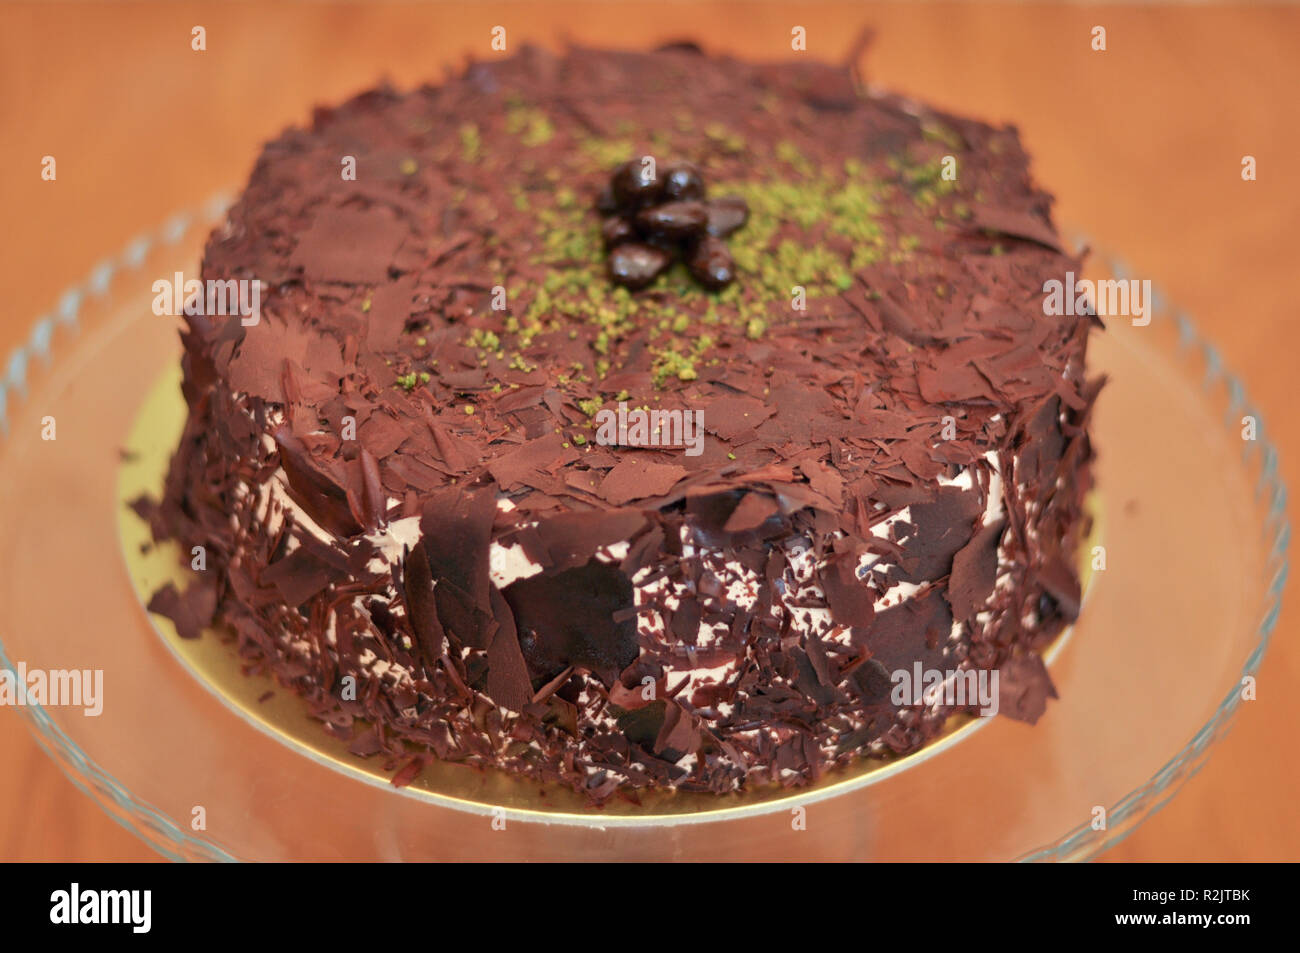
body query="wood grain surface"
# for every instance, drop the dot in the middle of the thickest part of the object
(1142, 144)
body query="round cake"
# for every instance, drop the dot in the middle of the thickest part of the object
(637, 420)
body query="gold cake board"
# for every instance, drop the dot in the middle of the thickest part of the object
(260, 700)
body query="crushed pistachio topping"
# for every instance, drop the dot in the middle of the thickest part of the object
(607, 153)
(484, 340)
(471, 143)
(810, 227)
(531, 124)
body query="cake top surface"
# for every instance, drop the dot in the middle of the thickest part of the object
(451, 297)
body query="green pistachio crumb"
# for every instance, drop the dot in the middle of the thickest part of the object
(471, 144)
(484, 340)
(533, 126)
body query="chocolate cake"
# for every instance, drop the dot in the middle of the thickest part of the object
(417, 512)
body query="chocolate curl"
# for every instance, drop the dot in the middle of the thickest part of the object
(366, 498)
(456, 529)
(679, 735)
(311, 488)
(421, 606)
(856, 53)
(507, 679)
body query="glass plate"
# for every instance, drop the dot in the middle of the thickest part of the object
(1177, 622)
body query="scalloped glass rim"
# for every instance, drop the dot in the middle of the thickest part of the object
(137, 816)
(1219, 385)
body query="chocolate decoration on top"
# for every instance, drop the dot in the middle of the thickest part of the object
(655, 216)
(397, 473)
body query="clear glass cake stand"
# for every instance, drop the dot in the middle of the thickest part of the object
(1195, 535)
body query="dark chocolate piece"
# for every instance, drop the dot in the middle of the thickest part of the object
(711, 263)
(636, 264)
(667, 210)
(674, 221)
(726, 215)
(636, 184)
(682, 180)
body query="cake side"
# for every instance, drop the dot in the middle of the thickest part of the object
(398, 473)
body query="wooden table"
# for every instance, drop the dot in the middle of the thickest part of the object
(1142, 144)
